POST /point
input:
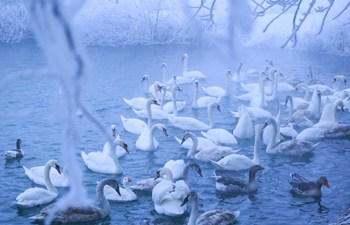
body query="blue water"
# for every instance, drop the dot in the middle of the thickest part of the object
(30, 108)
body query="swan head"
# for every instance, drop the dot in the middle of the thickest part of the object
(229, 73)
(162, 128)
(184, 56)
(196, 83)
(186, 136)
(112, 183)
(268, 122)
(144, 78)
(196, 167)
(323, 181)
(54, 164)
(216, 105)
(18, 143)
(339, 78)
(163, 65)
(121, 143)
(288, 98)
(163, 171)
(192, 195)
(114, 130)
(152, 101)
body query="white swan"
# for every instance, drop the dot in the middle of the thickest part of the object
(176, 80)
(190, 74)
(135, 126)
(177, 167)
(244, 127)
(202, 143)
(104, 163)
(146, 141)
(219, 135)
(119, 150)
(255, 113)
(15, 153)
(238, 162)
(212, 217)
(36, 174)
(126, 194)
(169, 107)
(202, 102)
(289, 147)
(216, 91)
(81, 214)
(39, 196)
(207, 153)
(167, 196)
(145, 79)
(339, 82)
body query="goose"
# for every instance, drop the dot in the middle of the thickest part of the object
(189, 123)
(39, 196)
(207, 153)
(216, 91)
(76, 214)
(126, 194)
(169, 107)
(239, 162)
(232, 185)
(136, 126)
(304, 187)
(190, 74)
(15, 153)
(37, 175)
(289, 147)
(104, 163)
(212, 217)
(167, 196)
(175, 166)
(204, 101)
(146, 141)
(244, 127)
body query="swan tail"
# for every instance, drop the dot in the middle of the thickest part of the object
(127, 101)
(237, 213)
(217, 165)
(84, 156)
(216, 177)
(314, 146)
(38, 217)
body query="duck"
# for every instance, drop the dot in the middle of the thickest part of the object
(203, 101)
(104, 163)
(216, 91)
(126, 194)
(244, 127)
(288, 147)
(15, 153)
(239, 162)
(232, 185)
(80, 214)
(190, 74)
(167, 196)
(146, 141)
(190, 123)
(304, 187)
(136, 126)
(212, 217)
(39, 196)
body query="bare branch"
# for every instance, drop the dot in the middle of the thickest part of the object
(331, 2)
(345, 8)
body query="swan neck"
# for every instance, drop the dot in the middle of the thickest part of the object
(194, 147)
(104, 205)
(272, 141)
(227, 85)
(112, 153)
(195, 97)
(185, 69)
(291, 107)
(47, 179)
(174, 102)
(256, 158)
(146, 86)
(194, 211)
(164, 75)
(262, 94)
(149, 115)
(151, 136)
(163, 98)
(210, 116)
(168, 174)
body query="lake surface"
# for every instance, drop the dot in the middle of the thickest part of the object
(30, 108)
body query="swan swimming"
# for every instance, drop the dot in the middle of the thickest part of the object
(146, 141)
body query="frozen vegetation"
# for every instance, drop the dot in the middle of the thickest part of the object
(315, 25)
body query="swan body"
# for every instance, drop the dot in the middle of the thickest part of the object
(167, 196)
(104, 163)
(255, 113)
(137, 103)
(157, 114)
(244, 127)
(203, 143)
(219, 135)
(190, 74)
(76, 214)
(204, 101)
(289, 147)
(126, 194)
(15, 153)
(146, 141)
(216, 91)
(39, 196)
(238, 162)
(212, 217)
(136, 126)
(232, 185)
(36, 174)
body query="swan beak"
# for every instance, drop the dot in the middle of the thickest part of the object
(117, 190)
(265, 125)
(125, 146)
(58, 169)
(143, 79)
(334, 79)
(165, 132)
(157, 175)
(129, 179)
(183, 140)
(218, 108)
(185, 201)
(155, 102)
